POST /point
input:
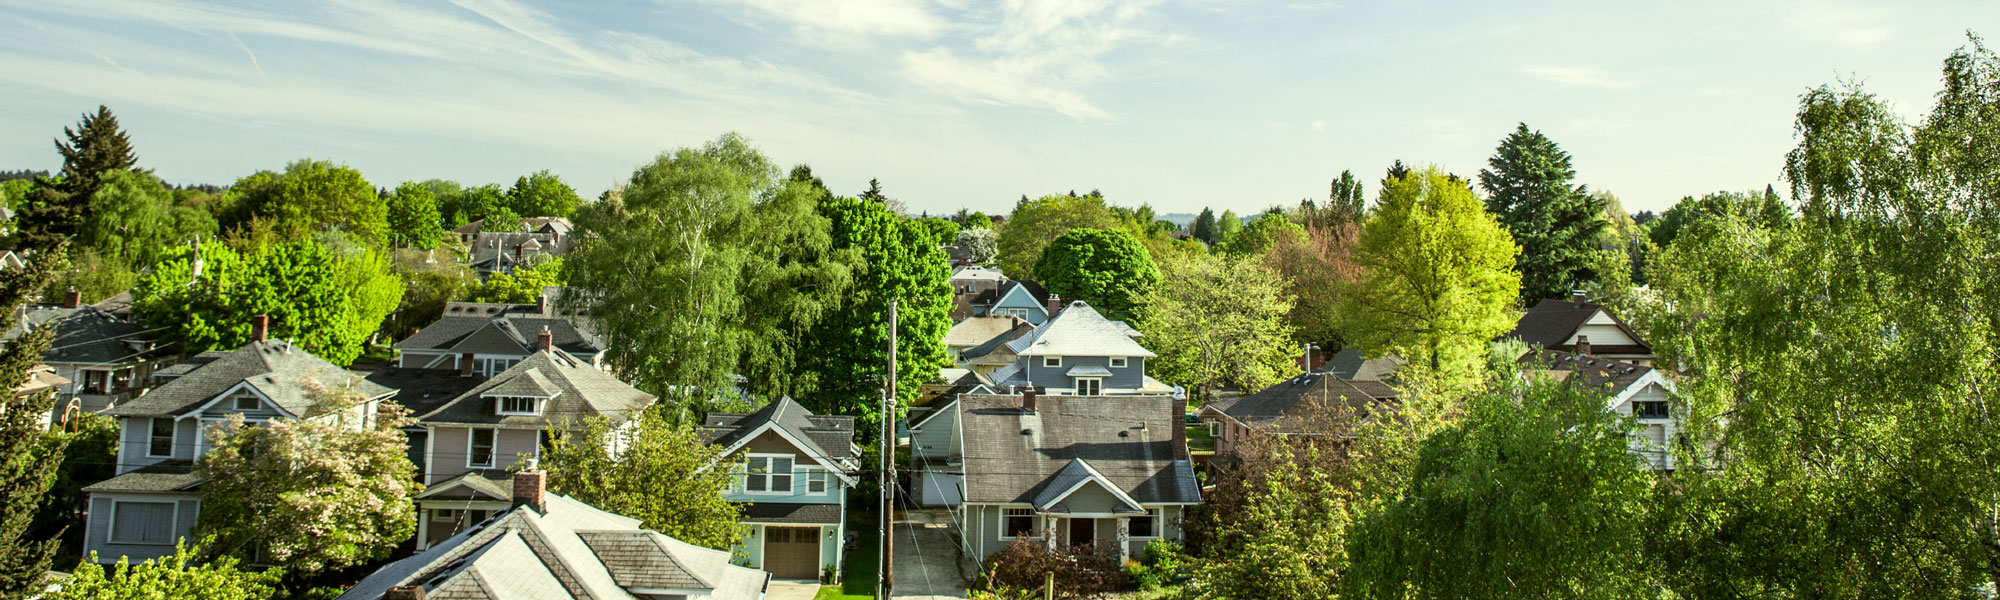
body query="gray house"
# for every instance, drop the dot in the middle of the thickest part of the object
(1076, 470)
(473, 439)
(481, 338)
(549, 547)
(793, 469)
(1079, 352)
(502, 252)
(107, 358)
(153, 501)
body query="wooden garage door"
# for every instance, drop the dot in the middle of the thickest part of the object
(792, 552)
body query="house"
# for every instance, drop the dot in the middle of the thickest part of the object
(41, 379)
(1079, 352)
(481, 338)
(10, 259)
(1020, 298)
(106, 358)
(473, 439)
(1274, 409)
(1350, 364)
(969, 283)
(1632, 390)
(1582, 327)
(793, 472)
(544, 546)
(153, 500)
(541, 238)
(991, 354)
(1073, 470)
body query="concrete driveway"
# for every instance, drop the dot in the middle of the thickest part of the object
(792, 589)
(928, 562)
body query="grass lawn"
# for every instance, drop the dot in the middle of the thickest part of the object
(858, 572)
(1198, 439)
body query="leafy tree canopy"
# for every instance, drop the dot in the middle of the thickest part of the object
(1105, 267)
(895, 259)
(414, 219)
(326, 296)
(1221, 322)
(663, 474)
(542, 194)
(523, 286)
(1036, 223)
(982, 243)
(182, 575)
(311, 196)
(57, 206)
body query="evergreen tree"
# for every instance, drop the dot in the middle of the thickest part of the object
(1528, 189)
(1204, 226)
(29, 460)
(59, 205)
(874, 191)
(1345, 203)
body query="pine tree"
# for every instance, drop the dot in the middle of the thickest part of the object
(874, 191)
(58, 206)
(1346, 202)
(28, 458)
(1528, 189)
(1204, 226)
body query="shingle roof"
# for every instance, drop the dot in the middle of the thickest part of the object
(491, 482)
(500, 329)
(1585, 370)
(1012, 455)
(1080, 330)
(570, 550)
(1074, 474)
(993, 346)
(584, 391)
(829, 436)
(273, 367)
(1277, 401)
(1350, 363)
(87, 335)
(163, 476)
(783, 512)
(974, 331)
(423, 390)
(1550, 323)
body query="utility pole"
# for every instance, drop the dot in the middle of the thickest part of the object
(888, 544)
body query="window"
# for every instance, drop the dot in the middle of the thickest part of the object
(162, 442)
(1090, 386)
(1117, 362)
(1145, 526)
(1651, 409)
(150, 523)
(1051, 361)
(816, 481)
(1012, 312)
(1018, 522)
(517, 405)
(444, 515)
(481, 453)
(770, 474)
(248, 402)
(96, 382)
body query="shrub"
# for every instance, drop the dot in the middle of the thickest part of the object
(1163, 565)
(1019, 571)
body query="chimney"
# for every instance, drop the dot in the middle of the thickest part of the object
(1028, 399)
(520, 253)
(1583, 345)
(260, 328)
(1055, 305)
(1576, 296)
(545, 341)
(531, 490)
(542, 303)
(465, 365)
(1179, 426)
(73, 299)
(404, 592)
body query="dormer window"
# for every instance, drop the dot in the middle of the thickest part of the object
(248, 402)
(519, 405)
(1117, 362)
(1051, 361)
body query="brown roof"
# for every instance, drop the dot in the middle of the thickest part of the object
(1550, 323)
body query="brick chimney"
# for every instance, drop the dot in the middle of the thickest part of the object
(1028, 399)
(531, 489)
(545, 341)
(542, 303)
(404, 592)
(1055, 305)
(465, 365)
(520, 253)
(260, 328)
(1576, 296)
(72, 299)
(1180, 427)
(1583, 345)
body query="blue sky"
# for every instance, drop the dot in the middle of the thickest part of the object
(951, 103)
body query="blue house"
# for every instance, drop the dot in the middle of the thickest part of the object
(793, 469)
(1019, 298)
(1078, 352)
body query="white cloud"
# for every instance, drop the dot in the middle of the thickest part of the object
(1576, 76)
(1039, 54)
(821, 19)
(1319, 125)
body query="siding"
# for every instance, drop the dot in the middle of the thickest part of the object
(1018, 298)
(982, 524)
(97, 528)
(938, 437)
(1131, 376)
(136, 438)
(450, 449)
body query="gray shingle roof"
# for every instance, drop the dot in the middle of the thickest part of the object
(500, 329)
(88, 335)
(1277, 401)
(423, 390)
(1076, 473)
(1350, 363)
(163, 476)
(1585, 370)
(1550, 323)
(782, 512)
(494, 483)
(1080, 330)
(1012, 456)
(641, 559)
(273, 367)
(975, 331)
(830, 436)
(585, 391)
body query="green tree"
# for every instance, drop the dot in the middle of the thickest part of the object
(90, 456)
(663, 474)
(310, 196)
(182, 575)
(1557, 224)
(414, 221)
(1441, 279)
(1226, 227)
(33, 459)
(1759, 209)
(1534, 494)
(327, 299)
(467, 204)
(940, 228)
(1221, 322)
(1261, 234)
(542, 194)
(326, 492)
(979, 242)
(1036, 223)
(1345, 201)
(1315, 267)
(1105, 267)
(133, 216)
(1203, 227)
(93, 275)
(428, 284)
(978, 220)
(59, 205)
(523, 286)
(894, 259)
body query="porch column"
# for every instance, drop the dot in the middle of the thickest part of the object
(1049, 535)
(1124, 539)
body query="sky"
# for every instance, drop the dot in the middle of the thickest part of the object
(957, 103)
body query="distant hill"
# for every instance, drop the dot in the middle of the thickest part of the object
(1180, 219)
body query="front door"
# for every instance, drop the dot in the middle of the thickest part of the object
(792, 552)
(1082, 532)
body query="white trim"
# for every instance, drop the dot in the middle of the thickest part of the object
(430, 453)
(1076, 387)
(534, 405)
(1039, 518)
(174, 437)
(173, 511)
(1050, 357)
(1654, 376)
(796, 444)
(492, 453)
(1159, 516)
(1041, 304)
(1120, 362)
(1101, 482)
(770, 458)
(241, 385)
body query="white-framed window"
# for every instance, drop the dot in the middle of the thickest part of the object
(769, 474)
(479, 450)
(1651, 409)
(1089, 386)
(161, 443)
(248, 402)
(1017, 522)
(493, 366)
(1145, 526)
(1011, 312)
(816, 480)
(444, 515)
(1051, 361)
(146, 523)
(1118, 362)
(518, 405)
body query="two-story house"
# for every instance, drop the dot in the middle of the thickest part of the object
(473, 439)
(1559, 325)
(502, 252)
(154, 501)
(1074, 470)
(793, 469)
(482, 338)
(107, 359)
(1020, 298)
(1080, 352)
(969, 283)
(1631, 390)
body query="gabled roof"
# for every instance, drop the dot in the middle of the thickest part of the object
(273, 368)
(166, 476)
(1074, 476)
(569, 550)
(581, 392)
(1029, 290)
(974, 331)
(494, 485)
(996, 346)
(423, 390)
(1276, 402)
(827, 439)
(490, 249)
(1551, 323)
(488, 328)
(971, 273)
(87, 335)
(1595, 372)
(1080, 330)
(1350, 363)
(1014, 456)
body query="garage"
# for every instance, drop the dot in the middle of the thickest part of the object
(792, 552)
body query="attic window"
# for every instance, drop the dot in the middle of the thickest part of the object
(1117, 362)
(1051, 361)
(247, 402)
(518, 405)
